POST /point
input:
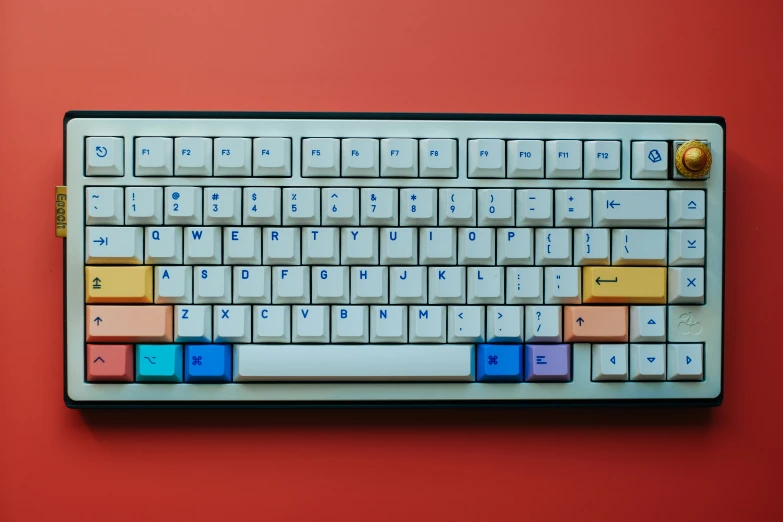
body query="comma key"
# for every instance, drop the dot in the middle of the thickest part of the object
(129, 324)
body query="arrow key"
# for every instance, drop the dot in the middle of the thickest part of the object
(685, 362)
(610, 362)
(648, 362)
(104, 157)
(110, 363)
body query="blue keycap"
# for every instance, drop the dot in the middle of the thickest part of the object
(207, 363)
(159, 362)
(499, 363)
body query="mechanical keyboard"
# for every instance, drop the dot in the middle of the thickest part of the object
(291, 259)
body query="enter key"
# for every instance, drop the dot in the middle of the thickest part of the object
(619, 284)
(595, 324)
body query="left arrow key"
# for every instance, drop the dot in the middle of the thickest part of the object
(110, 363)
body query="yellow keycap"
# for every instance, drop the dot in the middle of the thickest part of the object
(624, 284)
(118, 284)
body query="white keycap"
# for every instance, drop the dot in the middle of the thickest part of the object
(553, 246)
(114, 245)
(543, 324)
(486, 285)
(281, 246)
(591, 246)
(495, 207)
(648, 362)
(686, 208)
(183, 206)
(223, 206)
(321, 246)
(301, 206)
(686, 324)
(212, 284)
(648, 324)
(272, 324)
(360, 158)
(193, 157)
(563, 285)
(684, 362)
(320, 158)
(438, 246)
(203, 246)
(505, 323)
(399, 158)
(427, 324)
(232, 323)
(388, 324)
(525, 285)
(272, 157)
(369, 284)
(602, 160)
(193, 324)
(486, 158)
(649, 159)
(242, 245)
(399, 246)
(525, 158)
(629, 208)
(515, 246)
(466, 324)
(418, 207)
(572, 208)
(144, 206)
(534, 208)
(340, 206)
(686, 285)
(163, 246)
(476, 246)
(359, 246)
(610, 362)
(686, 247)
(408, 285)
(173, 284)
(330, 284)
(154, 157)
(232, 156)
(457, 207)
(379, 207)
(261, 206)
(447, 285)
(437, 158)
(310, 324)
(564, 159)
(252, 284)
(103, 206)
(290, 284)
(638, 247)
(350, 324)
(105, 157)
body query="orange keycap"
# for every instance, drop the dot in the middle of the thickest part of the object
(129, 324)
(588, 324)
(110, 362)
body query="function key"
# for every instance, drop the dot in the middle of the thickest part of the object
(232, 157)
(154, 157)
(602, 160)
(564, 159)
(649, 160)
(272, 157)
(525, 159)
(360, 158)
(438, 158)
(399, 158)
(320, 157)
(486, 159)
(193, 156)
(105, 157)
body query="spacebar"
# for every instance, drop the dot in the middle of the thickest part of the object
(354, 362)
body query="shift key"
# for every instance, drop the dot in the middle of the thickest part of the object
(129, 324)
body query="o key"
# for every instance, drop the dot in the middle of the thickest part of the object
(586, 324)
(129, 324)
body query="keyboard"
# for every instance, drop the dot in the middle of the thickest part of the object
(324, 259)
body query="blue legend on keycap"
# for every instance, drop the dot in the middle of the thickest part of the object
(499, 363)
(207, 363)
(159, 362)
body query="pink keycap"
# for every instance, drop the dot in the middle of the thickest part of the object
(129, 324)
(110, 362)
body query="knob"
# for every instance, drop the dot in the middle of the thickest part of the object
(693, 159)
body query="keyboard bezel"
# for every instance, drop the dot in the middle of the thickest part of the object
(80, 394)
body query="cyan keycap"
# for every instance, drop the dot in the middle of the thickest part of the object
(499, 363)
(207, 363)
(159, 362)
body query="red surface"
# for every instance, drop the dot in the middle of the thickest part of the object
(481, 56)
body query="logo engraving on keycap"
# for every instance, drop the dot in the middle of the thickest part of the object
(175, 196)
(689, 325)
(654, 156)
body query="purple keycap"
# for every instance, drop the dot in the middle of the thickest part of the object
(547, 362)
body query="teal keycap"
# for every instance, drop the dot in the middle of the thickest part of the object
(159, 362)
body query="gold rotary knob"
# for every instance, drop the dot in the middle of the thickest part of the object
(693, 159)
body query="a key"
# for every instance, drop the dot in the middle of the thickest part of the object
(602, 160)
(408, 285)
(399, 246)
(438, 246)
(310, 324)
(114, 245)
(379, 207)
(144, 206)
(193, 324)
(427, 324)
(553, 246)
(272, 157)
(154, 157)
(686, 208)
(232, 323)
(686, 247)
(466, 324)
(457, 207)
(183, 206)
(648, 324)
(321, 246)
(505, 323)
(388, 324)
(290, 284)
(399, 158)
(486, 158)
(438, 158)
(301, 206)
(340, 206)
(649, 160)
(271, 324)
(686, 285)
(591, 246)
(648, 362)
(103, 206)
(447, 285)
(320, 157)
(222, 206)
(638, 247)
(543, 324)
(595, 324)
(193, 157)
(685, 362)
(525, 285)
(330, 284)
(252, 284)
(262, 206)
(534, 208)
(525, 158)
(563, 285)
(350, 324)
(360, 158)
(629, 208)
(203, 246)
(232, 156)
(572, 208)
(359, 246)
(118, 284)
(129, 323)
(515, 246)
(281, 246)
(610, 362)
(242, 245)
(369, 284)
(486, 285)
(211, 284)
(564, 159)
(173, 284)
(418, 207)
(476, 246)
(617, 284)
(163, 245)
(495, 207)
(105, 156)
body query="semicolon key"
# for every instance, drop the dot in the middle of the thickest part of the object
(129, 324)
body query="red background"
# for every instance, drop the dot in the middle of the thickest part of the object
(627, 57)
